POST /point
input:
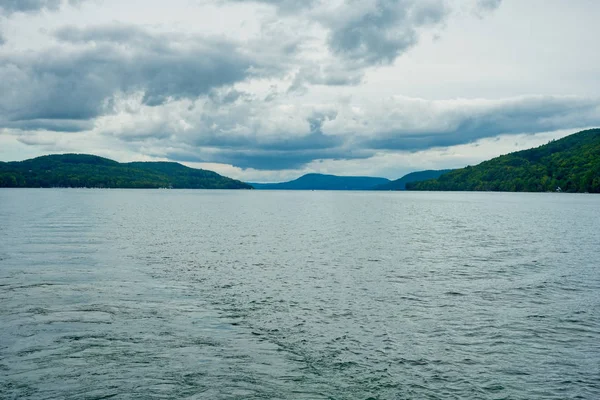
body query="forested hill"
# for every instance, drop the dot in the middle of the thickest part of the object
(400, 184)
(325, 182)
(84, 170)
(571, 164)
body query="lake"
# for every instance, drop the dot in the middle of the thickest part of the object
(305, 295)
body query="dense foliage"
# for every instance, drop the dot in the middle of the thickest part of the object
(400, 184)
(324, 182)
(571, 164)
(83, 170)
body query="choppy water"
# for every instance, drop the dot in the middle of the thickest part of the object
(333, 295)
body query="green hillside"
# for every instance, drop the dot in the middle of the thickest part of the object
(571, 164)
(83, 170)
(400, 184)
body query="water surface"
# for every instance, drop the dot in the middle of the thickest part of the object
(308, 295)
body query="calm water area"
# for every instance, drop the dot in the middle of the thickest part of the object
(182, 294)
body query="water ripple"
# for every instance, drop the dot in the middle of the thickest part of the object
(194, 294)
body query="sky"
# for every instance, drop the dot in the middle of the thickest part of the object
(267, 90)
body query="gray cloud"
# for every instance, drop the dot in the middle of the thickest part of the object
(489, 5)
(381, 30)
(163, 65)
(359, 34)
(313, 142)
(328, 75)
(11, 6)
(284, 6)
(78, 79)
(56, 125)
(233, 129)
(462, 125)
(117, 34)
(78, 83)
(267, 160)
(470, 123)
(484, 7)
(32, 6)
(369, 31)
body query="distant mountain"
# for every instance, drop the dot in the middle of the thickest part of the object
(84, 170)
(571, 164)
(400, 184)
(324, 182)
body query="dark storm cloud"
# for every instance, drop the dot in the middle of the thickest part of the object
(77, 83)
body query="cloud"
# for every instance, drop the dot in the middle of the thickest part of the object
(351, 36)
(378, 31)
(415, 124)
(323, 74)
(285, 85)
(368, 32)
(12, 6)
(284, 6)
(261, 159)
(348, 131)
(488, 5)
(78, 78)
(236, 128)
(482, 8)
(56, 125)
(31, 6)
